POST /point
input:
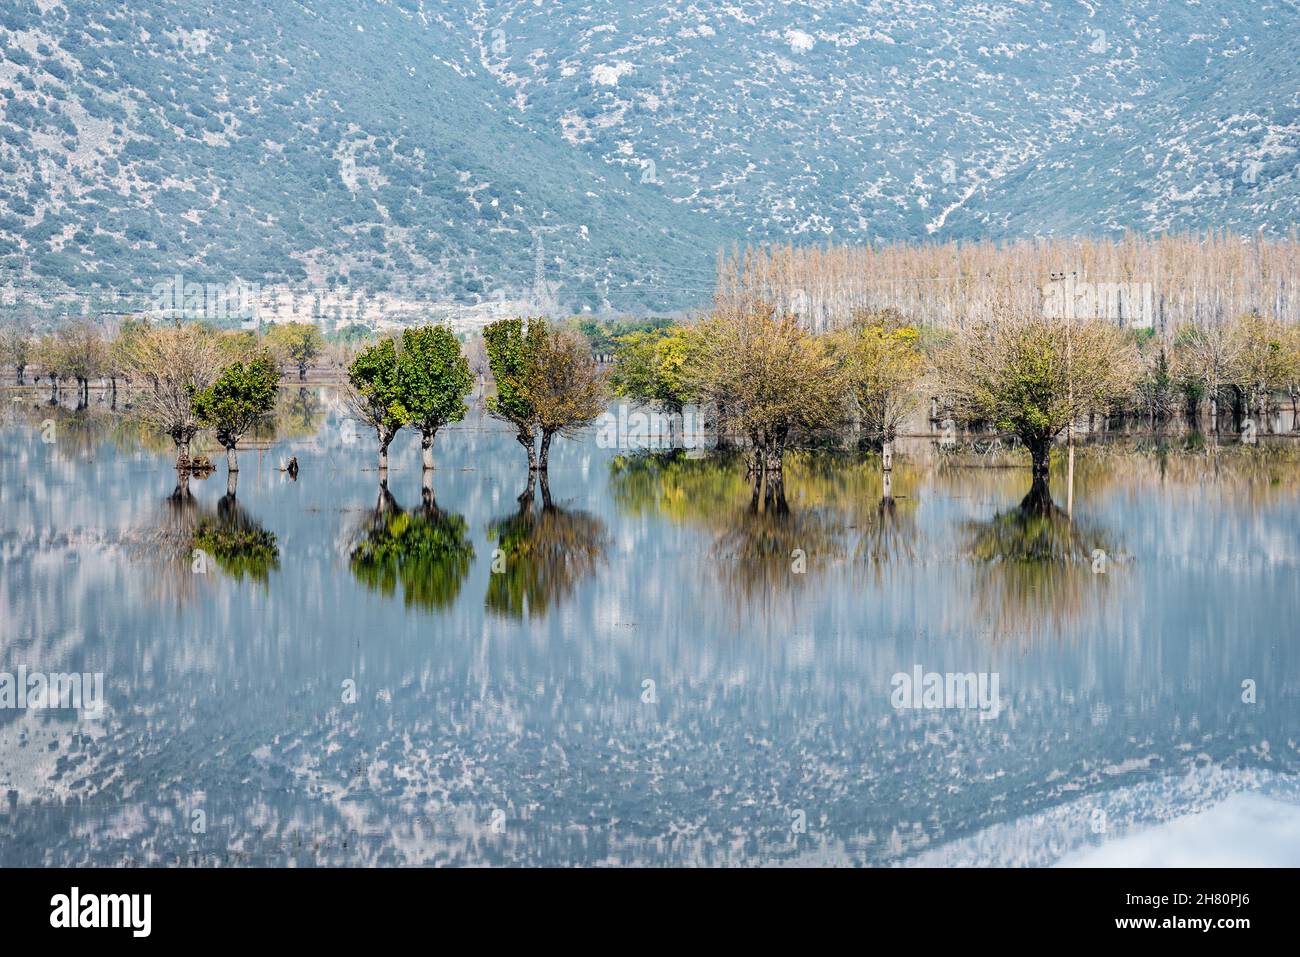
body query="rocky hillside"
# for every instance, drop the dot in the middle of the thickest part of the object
(441, 146)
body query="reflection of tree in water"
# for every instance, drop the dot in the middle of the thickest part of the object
(1037, 566)
(427, 551)
(677, 487)
(543, 555)
(298, 414)
(76, 433)
(230, 537)
(236, 542)
(889, 535)
(765, 546)
(828, 508)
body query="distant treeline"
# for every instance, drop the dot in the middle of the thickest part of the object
(1159, 283)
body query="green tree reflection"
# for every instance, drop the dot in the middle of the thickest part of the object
(540, 555)
(240, 546)
(426, 551)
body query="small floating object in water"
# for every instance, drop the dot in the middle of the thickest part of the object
(291, 468)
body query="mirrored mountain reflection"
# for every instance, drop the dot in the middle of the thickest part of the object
(427, 551)
(540, 553)
(1038, 565)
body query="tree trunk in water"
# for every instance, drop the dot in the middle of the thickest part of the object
(426, 491)
(1039, 499)
(426, 450)
(720, 426)
(887, 455)
(545, 482)
(232, 460)
(526, 496)
(183, 455)
(1040, 451)
(20, 374)
(546, 451)
(772, 459)
(526, 440)
(302, 372)
(383, 455)
(232, 482)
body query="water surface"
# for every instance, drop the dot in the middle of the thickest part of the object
(659, 671)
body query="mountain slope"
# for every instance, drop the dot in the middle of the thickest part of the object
(421, 145)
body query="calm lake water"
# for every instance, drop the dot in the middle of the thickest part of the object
(654, 673)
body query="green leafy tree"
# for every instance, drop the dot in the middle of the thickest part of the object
(376, 394)
(298, 343)
(242, 396)
(433, 380)
(884, 363)
(512, 345)
(1032, 376)
(653, 367)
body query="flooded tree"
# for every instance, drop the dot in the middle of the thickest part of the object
(773, 375)
(16, 346)
(173, 363)
(296, 343)
(375, 394)
(1206, 360)
(1268, 362)
(565, 388)
(433, 380)
(1033, 376)
(83, 355)
(654, 367)
(48, 355)
(883, 365)
(242, 396)
(511, 345)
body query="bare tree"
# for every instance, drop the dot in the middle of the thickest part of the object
(173, 363)
(1207, 358)
(16, 346)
